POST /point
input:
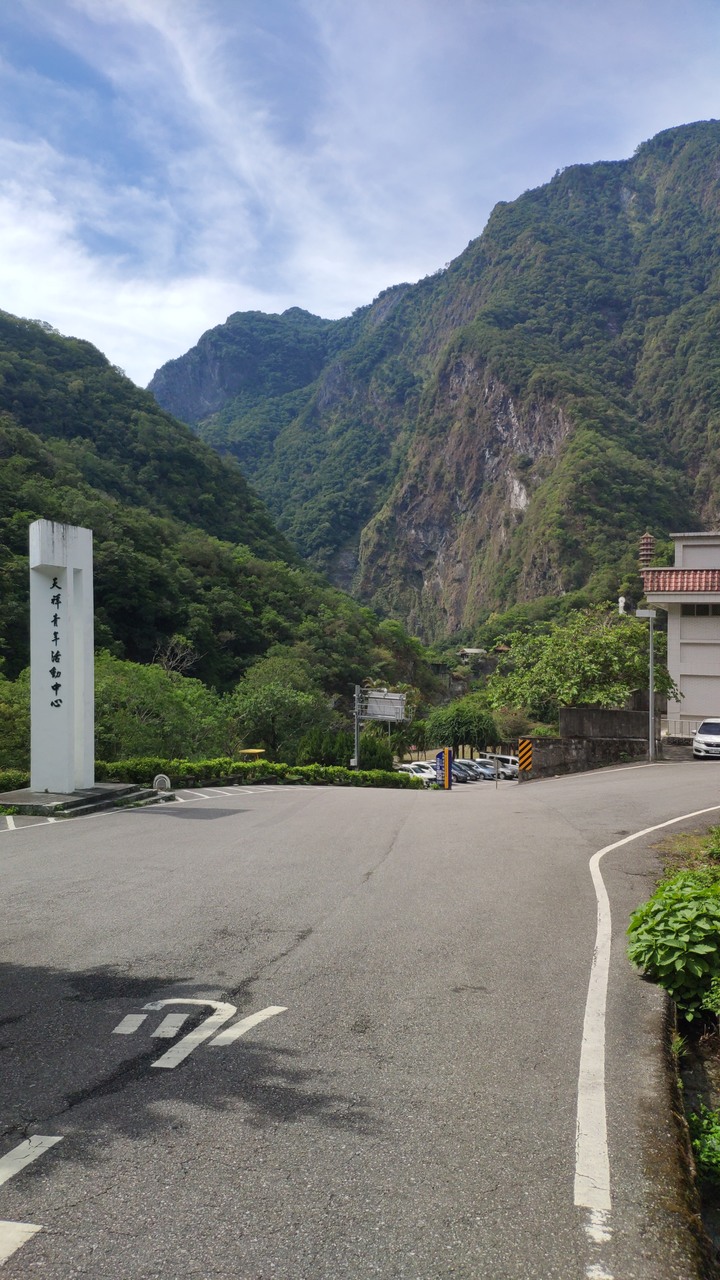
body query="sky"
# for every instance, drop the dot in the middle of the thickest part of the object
(165, 163)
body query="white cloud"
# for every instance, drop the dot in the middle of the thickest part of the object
(222, 157)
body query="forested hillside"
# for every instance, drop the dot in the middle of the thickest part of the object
(505, 429)
(188, 563)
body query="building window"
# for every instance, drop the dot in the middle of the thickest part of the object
(700, 610)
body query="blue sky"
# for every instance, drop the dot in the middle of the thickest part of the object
(164, 163)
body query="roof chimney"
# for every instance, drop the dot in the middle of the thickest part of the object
(647, 550)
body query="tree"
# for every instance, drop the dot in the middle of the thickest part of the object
(275, 716)
(145, 710)
(466, 722)
(595, 657)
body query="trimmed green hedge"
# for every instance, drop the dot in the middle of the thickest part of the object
(13, 779)
(190, 773)
(195, 773)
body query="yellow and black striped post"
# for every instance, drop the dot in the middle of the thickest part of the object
(525, 753)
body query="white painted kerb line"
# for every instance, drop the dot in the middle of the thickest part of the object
(13, 1235)
(23, 1155)
(592, 1163)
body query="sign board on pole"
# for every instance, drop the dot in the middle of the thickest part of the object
(443, 768)
(381, 705)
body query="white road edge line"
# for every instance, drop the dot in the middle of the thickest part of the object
(592, 1163)
(24, 1154)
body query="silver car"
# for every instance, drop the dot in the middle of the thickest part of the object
(707, 739)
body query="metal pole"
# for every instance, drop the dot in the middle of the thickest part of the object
(357, 726)
(651, 703)
(651, 615)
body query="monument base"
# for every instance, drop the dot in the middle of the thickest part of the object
(75, 804)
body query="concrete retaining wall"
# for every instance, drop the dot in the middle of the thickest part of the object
(574, 755)
(596, 722)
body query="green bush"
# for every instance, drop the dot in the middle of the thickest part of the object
(675, 939)
(13, 779)
(704, 1126)
(189, 773)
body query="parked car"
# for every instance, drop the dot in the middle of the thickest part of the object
(463, 768)
(510, 764)
(419, 769)
(706, 741)
(482, 769)
(458, 774)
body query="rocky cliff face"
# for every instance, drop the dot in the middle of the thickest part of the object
(433, 549)
(504, 429)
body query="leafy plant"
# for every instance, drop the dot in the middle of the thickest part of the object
(675, 940)
(704, 1126)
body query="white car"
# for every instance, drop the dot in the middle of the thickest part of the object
(419, 769)
(706, 742)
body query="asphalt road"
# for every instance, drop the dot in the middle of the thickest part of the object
(411, 1112)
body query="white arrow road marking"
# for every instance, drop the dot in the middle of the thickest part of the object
(222, 1013)
(230, 1034)
(129, 1024)
(23, 1154)
(170, 1025)
(13, 1235)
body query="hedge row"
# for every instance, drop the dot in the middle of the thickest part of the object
(13, 779)
(193, 773)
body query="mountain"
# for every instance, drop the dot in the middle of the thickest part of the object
(505, 429)
(187, 558)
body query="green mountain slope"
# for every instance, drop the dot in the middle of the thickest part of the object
(506, 428)
(183, 547)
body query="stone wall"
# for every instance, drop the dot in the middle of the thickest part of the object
(596, 722)
(574, 755)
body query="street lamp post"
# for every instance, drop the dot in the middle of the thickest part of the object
(651, 615)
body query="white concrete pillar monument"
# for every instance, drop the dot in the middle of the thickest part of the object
(62, 692)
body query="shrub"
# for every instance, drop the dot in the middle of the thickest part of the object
(188, 773)
(704, 1126)
(13, 779)
(675, 939)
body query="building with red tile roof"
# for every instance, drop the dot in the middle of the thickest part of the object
(690, 593)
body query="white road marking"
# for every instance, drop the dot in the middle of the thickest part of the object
(10, 821)
(592, 1163)
(170, 1026)
(52, 819)
(129, 1024)
(230, 1034)
(222, 1013)
(23, 1155)
(13, 1235)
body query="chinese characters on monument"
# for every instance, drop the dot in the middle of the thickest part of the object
(62, 705)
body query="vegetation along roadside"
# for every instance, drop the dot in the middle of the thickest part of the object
(674, 939)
